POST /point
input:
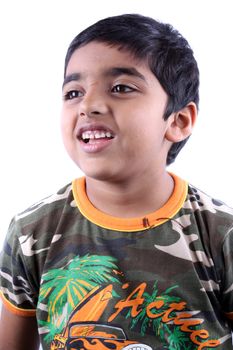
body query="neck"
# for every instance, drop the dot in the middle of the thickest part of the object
(133, 198)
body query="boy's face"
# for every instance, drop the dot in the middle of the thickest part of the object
(112, 116)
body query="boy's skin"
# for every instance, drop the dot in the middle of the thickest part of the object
(119, 171)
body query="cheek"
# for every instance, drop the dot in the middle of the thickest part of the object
(68, 123)
(66, 134)
(64, 130)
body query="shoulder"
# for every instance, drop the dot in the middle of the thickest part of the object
(43, 217)
(48, 204)
(209, 212)
(34, 231)
(60, 201)
(204, 202)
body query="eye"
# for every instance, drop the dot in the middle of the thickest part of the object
(70, 95)
(121, 88)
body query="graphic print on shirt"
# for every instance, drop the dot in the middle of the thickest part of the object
(77, 307)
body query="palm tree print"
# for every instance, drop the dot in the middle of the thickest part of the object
(66, 287)
(174, 337)
(178, 340)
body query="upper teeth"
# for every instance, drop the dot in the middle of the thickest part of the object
(95, 134)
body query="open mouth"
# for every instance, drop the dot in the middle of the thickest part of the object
(92, 136)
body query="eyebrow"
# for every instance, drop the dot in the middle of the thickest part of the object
(112, 72)
(71, 77)
(117, 71)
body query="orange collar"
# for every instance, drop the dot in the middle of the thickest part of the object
(170, 208)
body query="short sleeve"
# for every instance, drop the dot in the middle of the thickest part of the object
(17, 288)
(227, 295)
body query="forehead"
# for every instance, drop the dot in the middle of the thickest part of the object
(97, 55)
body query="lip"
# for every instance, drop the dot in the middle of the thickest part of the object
(94, 145)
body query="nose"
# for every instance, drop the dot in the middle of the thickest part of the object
(93, 104)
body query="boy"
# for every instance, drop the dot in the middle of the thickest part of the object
(129, 256)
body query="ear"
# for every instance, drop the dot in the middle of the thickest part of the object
(181, 123)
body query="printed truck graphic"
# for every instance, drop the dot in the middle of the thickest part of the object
(84, 332)
(96, 336)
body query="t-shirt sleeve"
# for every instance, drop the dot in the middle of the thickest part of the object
(18, 290)
(227, 294)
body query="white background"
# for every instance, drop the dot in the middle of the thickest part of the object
(34, 36)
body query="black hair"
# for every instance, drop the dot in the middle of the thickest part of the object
(167, 52)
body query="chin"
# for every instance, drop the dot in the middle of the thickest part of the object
(94, 168)
(97, 173)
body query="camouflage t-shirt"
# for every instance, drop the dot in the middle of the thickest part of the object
(163, 281)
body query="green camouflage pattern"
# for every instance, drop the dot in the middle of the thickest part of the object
(167, 287)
